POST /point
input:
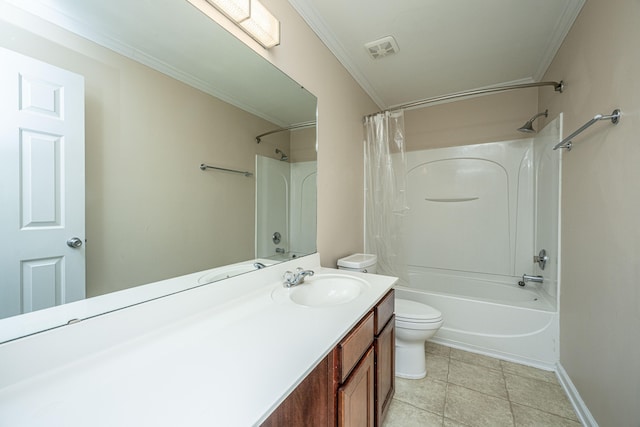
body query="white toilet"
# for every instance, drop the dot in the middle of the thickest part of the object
(415, 323)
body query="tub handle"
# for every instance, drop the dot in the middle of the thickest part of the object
(541, 259)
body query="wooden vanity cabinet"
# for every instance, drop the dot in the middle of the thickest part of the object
(354, 384)
(385, 351)
(310, 404)
(367, 403)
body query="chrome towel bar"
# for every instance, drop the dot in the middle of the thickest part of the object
(566, 143)
(205, 167)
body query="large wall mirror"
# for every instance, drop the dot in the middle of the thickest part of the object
(164, 90)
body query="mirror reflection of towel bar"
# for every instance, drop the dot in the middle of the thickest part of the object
(205, 167)
(458, 199)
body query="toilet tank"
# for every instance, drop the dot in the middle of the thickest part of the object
(365, 263)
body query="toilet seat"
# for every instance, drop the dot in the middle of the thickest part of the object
(415, 312)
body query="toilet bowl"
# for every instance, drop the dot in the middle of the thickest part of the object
(415, 323)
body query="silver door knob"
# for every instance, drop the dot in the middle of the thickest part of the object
(74, 242)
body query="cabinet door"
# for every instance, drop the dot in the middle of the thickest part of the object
(385, 369)
(356, 405)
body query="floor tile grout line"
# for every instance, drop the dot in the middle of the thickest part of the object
(524, 405)
(504, 378)
(419, 408)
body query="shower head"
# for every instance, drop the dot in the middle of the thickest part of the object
(283, 156)
(528, 127)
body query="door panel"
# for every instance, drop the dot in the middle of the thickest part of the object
(41, 185)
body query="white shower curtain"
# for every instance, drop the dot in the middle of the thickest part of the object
(385, 192)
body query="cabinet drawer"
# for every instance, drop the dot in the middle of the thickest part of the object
(383, 311)
(353, 346)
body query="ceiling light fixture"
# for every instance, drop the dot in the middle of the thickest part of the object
(236, 10)
(262, 25)
(253, 18)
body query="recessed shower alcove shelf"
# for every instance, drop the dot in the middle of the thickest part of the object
(245, 173)
(567, 143)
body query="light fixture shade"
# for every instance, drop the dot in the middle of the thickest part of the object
(262, 25)
(236, 10)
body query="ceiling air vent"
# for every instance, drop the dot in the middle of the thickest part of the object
(383, 47)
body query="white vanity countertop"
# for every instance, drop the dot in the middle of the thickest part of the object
(222, 354)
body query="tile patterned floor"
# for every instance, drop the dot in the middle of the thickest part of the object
(465, 389)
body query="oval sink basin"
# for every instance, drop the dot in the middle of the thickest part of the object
(324, 290)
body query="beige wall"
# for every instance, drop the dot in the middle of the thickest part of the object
(478, 120)
(303, 145)
(151, 213)
(600, 289)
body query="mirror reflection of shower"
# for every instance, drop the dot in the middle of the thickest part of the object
(283, 156)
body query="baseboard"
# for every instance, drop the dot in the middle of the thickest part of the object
(579, 406)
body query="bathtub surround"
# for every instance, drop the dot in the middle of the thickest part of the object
(477, 215)
(286, 205)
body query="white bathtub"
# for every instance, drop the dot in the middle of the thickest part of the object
(489, 317)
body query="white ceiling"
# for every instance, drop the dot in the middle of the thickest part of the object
(445, 46)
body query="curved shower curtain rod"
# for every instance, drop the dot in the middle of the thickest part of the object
(557, 86)
(296, 126)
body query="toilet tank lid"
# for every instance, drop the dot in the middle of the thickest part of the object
(415, 310)
(358, 261)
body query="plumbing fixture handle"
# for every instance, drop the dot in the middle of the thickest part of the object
(294, 279)
(541, 259)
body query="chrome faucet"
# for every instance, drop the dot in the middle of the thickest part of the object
(528, 278)
(258, 265)
(294, 279)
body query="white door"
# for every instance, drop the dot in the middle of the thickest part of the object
(41, 185)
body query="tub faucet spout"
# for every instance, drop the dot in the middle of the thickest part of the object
(529, 278)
